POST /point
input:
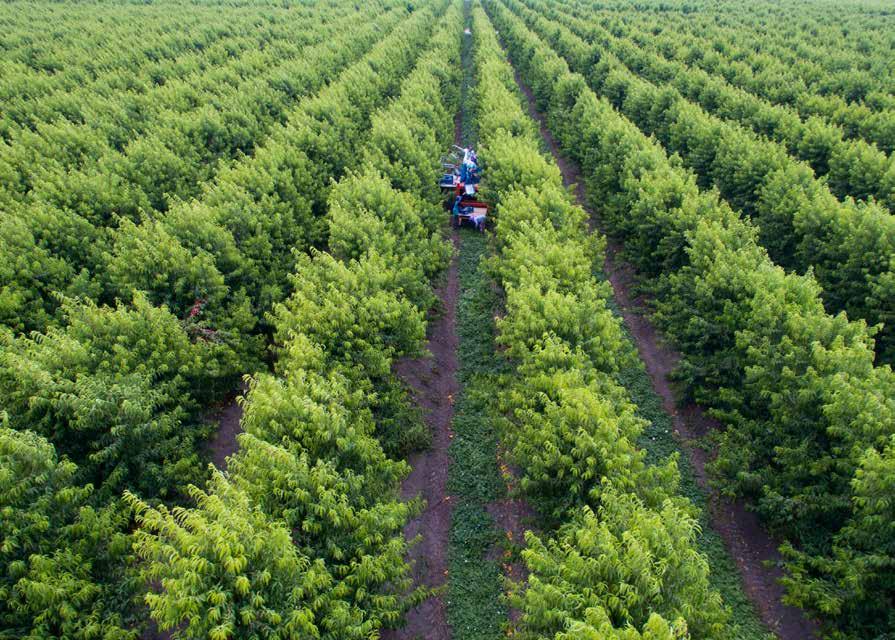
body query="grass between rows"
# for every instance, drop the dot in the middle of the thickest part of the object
(475, 607)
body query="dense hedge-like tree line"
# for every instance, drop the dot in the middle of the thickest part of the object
(47, 78)
(110, 398)
(180, 120)
(859, 101)
(833, 62)
(313, 467)
(853, 167)
(849, 247)
(810, 419)
(213, 267)
(219, 264)
(619, 560)
(234, 249)
(835, 49)
(56, 242)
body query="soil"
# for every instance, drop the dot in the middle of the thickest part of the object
(153, 633)
(223, 444)
(749, 544)
(433, 383)
(514, 516)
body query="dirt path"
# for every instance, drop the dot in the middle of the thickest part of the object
(223, 443)
(514, 516)
(746, 540)
(434, 385)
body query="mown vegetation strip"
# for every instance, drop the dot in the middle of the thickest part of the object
(475, 609)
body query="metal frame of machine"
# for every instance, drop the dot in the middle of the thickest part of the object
(462, 182)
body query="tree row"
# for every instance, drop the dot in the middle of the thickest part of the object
(303, 534)
(810, 421)
(853, 167)
(847, 83)
(849, 247)
(618, 558)
(112, 398)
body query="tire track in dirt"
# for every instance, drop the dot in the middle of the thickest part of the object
(746, 540)
(433, 384)
(223, 443)
(514, 516)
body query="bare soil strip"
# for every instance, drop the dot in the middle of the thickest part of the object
(746, 540)
(514, 516)
(223, 444)
(433, 382)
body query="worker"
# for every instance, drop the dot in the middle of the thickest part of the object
(457, 210)
(460, 210)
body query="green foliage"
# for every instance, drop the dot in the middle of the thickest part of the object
(322, 415)
(368, 216)
(803, 225)
(227, 570)
(184, 278)
(119, 390)
(569, 428)
(260, 210)
(404, 139)
(514, 162)
(546, 209)
(148, 258)
(332, 516)
(805, 405)
(854, 583)
(354, 310)
(265, 206)
(64, 563)
(855, 167)
(572, 430)
(30, 275)
(132, 137)
(113, 391)
(304, 536)
(535, 314)
(625, 565)
(597, 626)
